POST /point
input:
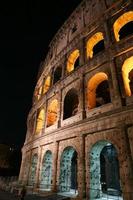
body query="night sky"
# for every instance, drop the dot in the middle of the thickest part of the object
(26, 29)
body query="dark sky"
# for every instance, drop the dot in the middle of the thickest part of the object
(26, 28)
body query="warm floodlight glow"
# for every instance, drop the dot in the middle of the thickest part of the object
(92, 42)
(72, 59)
(46, 84)
(126, 69)
(92, 86)
(39, 92)
(52, 112)
(40, 121)
(120, 22)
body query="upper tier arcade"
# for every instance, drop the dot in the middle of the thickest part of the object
(88, 71)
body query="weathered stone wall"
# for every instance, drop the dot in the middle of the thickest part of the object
(111, 122)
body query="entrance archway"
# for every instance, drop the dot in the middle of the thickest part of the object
(32, 174)
(104, 171)
(68, 171)
(46, 173)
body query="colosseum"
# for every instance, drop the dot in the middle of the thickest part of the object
(79, 140)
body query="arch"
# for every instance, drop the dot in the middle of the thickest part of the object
(127, 75)
(98, 90)
(47, 84)
(57, 74)
(71, 102)
(68, 171)
(73, 60)
(40, 121)
(52, 112)
(33, 168)
(104, 170)
(46, 173)
(121, 22)
(39, 92)
(92, 42)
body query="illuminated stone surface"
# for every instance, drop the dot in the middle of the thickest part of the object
(87, 126)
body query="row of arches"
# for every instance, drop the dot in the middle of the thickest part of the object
(97, 94)
(103, 170)
(122, 27)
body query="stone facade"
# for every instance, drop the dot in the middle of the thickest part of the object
(83, 106)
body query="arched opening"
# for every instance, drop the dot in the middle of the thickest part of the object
(126, 30)
(47, 84)
(52, 112)
(46, 173)
(124, 20)
(104, 171)
(73, 61)
(95, 44)
(40, 121)
(68, 172)
(39, 92)
(71, 102)
(57, 74)
(98, 90)
(127, 74)
(33, 168)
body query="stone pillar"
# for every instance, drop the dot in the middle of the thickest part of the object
(63, 64)
(20, 179)
(60, 109)
(130, 136)
(37, 181)
(28, 163)
(34, 124)
(126, 168)
(81, 168)
(46, 115)
(82, 100)
(82, 52)
(54, 171)
(113, 84)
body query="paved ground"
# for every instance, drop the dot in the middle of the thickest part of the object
(8, 196)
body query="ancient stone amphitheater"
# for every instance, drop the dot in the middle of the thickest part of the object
(79, 140)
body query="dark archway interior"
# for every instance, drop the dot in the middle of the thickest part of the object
(71, 104)
(102, 94)
(126, 30)
(57, 75)
(98, 47)
(76, 64)
(109, 168)
(131, 80)
(74, 171)
(103, 174)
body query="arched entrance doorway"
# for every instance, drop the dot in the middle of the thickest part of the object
(104, 171)
(68, 171)
(32, 173)
(46, 173)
